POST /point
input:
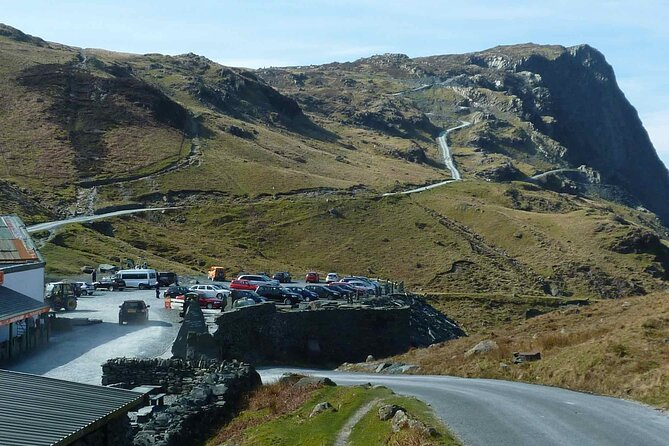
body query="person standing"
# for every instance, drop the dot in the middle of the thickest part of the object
(157, 291)
(94, 276)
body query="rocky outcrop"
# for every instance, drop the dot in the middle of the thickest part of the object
(597, 125)
(427, 325)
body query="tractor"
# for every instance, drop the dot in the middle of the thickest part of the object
(61, 295)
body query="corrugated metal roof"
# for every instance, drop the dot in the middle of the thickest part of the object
(37, 411)
(16, 306)
(16, 246)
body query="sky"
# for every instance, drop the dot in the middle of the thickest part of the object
(634, 36)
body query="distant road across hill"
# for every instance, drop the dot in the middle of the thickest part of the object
(448, 162)
(86, 218)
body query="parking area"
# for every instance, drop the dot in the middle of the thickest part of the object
(96, 335)
(77, 354)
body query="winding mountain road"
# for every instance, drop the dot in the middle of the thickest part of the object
(442, 142)
(550, 172)
(86, 218)
(503, 413)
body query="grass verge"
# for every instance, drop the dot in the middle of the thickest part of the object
(279, 414)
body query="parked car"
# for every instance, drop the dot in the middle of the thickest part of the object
(238, 284)
(312, 277)
(245, 298)
(331, 277)
(278, 294)
(133, 311)
(324, 292)
(174, 291)
(110, 283)
(210, 302)
(87, 269)
(306, 294)
(345, 289)
(167, 278)
(282, 277)
(258, 279)
(376, 285)
(84, 288)
(212, 290)
(359, 284)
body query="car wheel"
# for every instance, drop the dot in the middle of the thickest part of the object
(219, 296)
(210, 306)
(287, 302)
(142, 286)
(84, 293)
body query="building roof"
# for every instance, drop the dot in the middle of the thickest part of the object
(40, 411)
(16, 246)
(15, 306)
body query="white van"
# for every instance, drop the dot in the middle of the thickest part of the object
(138, 278)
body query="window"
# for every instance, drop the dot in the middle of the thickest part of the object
(131, 276)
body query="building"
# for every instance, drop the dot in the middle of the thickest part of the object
(41, 411)
(23, 314)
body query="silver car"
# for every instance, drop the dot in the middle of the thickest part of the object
(258, 279)
(212, 290)
(85, 288)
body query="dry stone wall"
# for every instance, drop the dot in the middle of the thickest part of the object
(207, 394)
(261, 333)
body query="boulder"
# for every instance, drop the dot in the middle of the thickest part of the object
(317, 381)
(520, 357)
(387, 411)
(322, 407)
(482, 347)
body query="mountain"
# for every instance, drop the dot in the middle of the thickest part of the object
(284, 168)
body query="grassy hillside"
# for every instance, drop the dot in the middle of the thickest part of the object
(617, 348)
(468, 237)
(282, 169)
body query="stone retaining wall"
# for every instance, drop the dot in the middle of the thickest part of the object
(208, 393)
(260, 333)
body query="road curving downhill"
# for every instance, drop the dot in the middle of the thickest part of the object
(503, 413)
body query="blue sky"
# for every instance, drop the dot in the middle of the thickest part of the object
(634, 36)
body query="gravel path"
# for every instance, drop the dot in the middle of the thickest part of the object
(345, 432)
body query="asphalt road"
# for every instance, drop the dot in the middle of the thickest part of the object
(86, 218)
(503, 413)
(448, 162)
(446, 152)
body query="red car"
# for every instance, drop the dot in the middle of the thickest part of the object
(210, 302)
(312, 277)
(242, 285)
